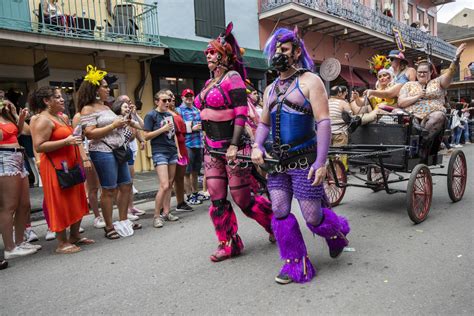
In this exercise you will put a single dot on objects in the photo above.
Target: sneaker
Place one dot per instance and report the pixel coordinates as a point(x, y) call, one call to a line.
point(184, 207)
point(134, 190)
point(132, 217)
point(169, 217)
point(458, 146)
point(467, 143)
point(283, 278)
point(50, 235)
point(81, 230)
point(27, 245)
point(18, 252)
point(136, 211)
point(30, 235)
point(201, 196)
point(3, 264)
point(157, 222)
point(99, 222)
point(193, 200)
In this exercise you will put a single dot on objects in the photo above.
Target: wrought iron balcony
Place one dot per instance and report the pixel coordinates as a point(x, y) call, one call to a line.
point(124, 21)
point(370, 19)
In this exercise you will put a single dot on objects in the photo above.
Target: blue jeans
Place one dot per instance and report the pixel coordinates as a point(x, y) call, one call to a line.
point(195, 160)
point(466, 133)
point(111, 173)
point(457, 135)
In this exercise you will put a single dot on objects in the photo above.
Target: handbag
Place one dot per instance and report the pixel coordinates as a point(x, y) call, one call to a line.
point(121, 154)
point(71, 176)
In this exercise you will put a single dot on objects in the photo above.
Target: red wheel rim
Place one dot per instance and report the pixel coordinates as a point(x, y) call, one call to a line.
point(333, 192)
point(421, 195)
point(459, 176)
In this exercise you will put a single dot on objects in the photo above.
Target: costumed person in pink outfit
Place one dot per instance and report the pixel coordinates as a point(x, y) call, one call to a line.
point(224, 110)
point(292, 104)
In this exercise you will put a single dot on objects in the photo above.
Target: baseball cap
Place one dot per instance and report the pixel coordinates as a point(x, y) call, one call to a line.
point(396, 54)
point(187, 91)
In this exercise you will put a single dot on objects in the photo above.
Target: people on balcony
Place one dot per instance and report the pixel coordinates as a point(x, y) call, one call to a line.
point(52, 14)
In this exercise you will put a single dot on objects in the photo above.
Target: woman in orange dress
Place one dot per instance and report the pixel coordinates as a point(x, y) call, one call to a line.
point(53, 138)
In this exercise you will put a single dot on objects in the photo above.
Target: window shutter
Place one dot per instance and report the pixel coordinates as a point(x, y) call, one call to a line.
point(209, 17)
point(217, 14)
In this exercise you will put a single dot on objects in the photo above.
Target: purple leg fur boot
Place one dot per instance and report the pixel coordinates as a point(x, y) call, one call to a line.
point(297, 266)
point(334, 229)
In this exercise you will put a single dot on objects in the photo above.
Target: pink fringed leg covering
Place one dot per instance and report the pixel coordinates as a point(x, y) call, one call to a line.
point(334, 229)
point(293, 250)
point(225, 224)
point(260, 209)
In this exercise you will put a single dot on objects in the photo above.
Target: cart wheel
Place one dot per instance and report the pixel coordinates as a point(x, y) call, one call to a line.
point(419, 193)
point(457, 175)
point(333, 192)
point(374, 175)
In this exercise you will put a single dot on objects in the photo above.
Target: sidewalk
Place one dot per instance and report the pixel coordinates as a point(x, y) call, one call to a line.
point(145, 182)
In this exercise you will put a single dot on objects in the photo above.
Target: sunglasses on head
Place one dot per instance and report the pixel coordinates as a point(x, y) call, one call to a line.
point(211, 51)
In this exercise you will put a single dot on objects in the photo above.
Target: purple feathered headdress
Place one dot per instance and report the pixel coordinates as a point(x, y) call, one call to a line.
point(284, 35)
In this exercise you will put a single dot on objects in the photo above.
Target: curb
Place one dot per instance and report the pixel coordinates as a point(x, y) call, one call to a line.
point(37, 213)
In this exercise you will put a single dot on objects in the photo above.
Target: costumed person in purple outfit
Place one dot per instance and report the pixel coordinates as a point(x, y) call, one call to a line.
point(292, 103)
point(224, 110)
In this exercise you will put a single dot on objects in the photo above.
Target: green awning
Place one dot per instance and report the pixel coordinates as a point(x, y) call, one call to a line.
point(192, 52)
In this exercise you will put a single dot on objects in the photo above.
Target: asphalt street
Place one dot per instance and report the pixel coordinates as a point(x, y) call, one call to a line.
point(397, 267)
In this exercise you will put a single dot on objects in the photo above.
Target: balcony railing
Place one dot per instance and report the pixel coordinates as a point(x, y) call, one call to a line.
point(372, 19)
point(125, 21)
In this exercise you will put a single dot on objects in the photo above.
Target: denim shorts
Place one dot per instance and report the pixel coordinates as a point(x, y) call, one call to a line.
point(111, 173)
point(133, 155)
point(164, 159)
point(12, 164)
point(195, 160)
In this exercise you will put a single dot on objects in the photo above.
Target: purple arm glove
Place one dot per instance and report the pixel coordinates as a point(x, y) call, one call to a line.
point(261, 135)
point(323, 142)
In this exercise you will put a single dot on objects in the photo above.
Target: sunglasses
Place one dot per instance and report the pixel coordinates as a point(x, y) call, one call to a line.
point(188, 96)
point(211, 51)
point(384, 75)
point(166, 100)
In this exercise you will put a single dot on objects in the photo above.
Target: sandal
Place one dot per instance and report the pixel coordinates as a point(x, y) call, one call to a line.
point(3, 264)
point(84, 241)
point(68, 250)
point(111, 234)
point(136, 226)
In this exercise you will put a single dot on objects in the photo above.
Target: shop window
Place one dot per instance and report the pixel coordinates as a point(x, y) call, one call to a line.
point(209, 17)
point(176, 85)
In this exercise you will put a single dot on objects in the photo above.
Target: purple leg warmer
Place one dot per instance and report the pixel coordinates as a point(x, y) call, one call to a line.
point(292, 249)
point(334, 229)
